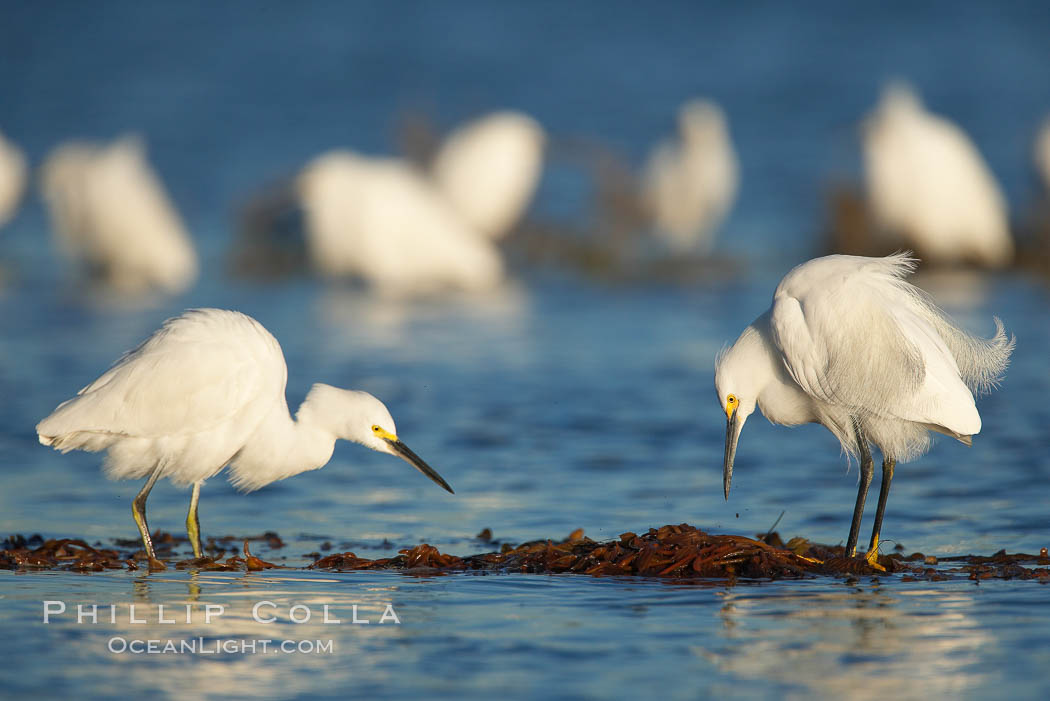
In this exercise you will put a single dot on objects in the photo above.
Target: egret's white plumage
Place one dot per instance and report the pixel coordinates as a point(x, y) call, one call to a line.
point(206, 390)
point(691, 183)
point(927, 183)
point(1042, 153)
point(489, 169)
point(12, 178)
point(379, 219)
point(109, 209)
point(849, 344)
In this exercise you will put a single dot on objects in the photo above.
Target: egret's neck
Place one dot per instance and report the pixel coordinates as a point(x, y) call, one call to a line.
point(282, 447)
point(757, 368)
point(752, 361)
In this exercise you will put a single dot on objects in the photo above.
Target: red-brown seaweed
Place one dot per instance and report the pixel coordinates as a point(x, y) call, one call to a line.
point(673, 551)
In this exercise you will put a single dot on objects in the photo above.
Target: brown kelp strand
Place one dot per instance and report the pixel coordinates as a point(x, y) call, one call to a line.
point(681, 552)
point(676, 551)
point(66, 553)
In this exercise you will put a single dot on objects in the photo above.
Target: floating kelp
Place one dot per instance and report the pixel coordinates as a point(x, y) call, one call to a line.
point(233, 564)
point(20, 553)
point(681, 552)
point(686, 552)
point(67, 553)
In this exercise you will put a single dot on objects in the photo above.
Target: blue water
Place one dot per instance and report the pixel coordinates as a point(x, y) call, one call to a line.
point(560, 403)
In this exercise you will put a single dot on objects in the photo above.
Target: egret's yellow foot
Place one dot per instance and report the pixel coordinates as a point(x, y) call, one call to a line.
point(872, 558)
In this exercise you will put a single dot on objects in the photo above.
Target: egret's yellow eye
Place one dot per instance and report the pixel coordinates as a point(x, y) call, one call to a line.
point(731, 405)
point(376, 429)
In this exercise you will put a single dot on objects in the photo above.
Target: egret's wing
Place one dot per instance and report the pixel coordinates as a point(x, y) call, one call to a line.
point(851, 334)
point(190, 376)
point(943, 401)
point(803, 349)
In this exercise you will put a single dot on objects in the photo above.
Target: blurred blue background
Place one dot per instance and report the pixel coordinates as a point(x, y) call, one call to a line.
point(232, 96)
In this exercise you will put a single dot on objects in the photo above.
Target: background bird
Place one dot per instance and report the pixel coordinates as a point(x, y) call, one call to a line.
point(928, 187)
point(382, 221)
point(689, 184)
point(110, 211)
point(488, 169)
point(850, 345)
point(206, 390)
point(1041, 154)
point(12, 178)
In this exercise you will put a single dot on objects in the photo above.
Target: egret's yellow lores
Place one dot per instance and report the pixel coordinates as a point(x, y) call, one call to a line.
point(206, 390)
point(850, 345)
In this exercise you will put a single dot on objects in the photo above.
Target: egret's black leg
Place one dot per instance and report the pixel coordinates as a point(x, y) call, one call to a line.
point(193, 523)
point(884, 493)
point(867, 469)
point(138, 510)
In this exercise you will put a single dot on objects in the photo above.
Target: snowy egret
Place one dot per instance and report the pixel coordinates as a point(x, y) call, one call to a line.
point(690, 185)
point(12, 178)
point(1042, 154)
point(927, 183)
point(381, 220)
point(489, 169)
point(206, 390)
point(109, 209)
point(848, 344)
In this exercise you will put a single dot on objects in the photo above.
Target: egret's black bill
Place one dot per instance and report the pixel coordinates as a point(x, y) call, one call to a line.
point(403, 451)
point(727, 465)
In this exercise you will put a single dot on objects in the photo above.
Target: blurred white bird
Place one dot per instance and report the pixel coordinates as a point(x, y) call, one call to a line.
point(489, 169)
point(1042, 153)
point(380, 219)
point(850, 345)
point(690, 184)
point(206, 390)
point(927, 184)
point(12, 178)
point(110, 211)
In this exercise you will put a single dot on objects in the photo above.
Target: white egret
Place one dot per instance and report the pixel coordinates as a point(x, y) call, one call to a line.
point(690, 184)
point(12, 178)
point(206, 390)
point(927, 184)
point(1042, 153)
point(848, 344)
point(379, 219)
point(489, 169)
point(109, 210)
